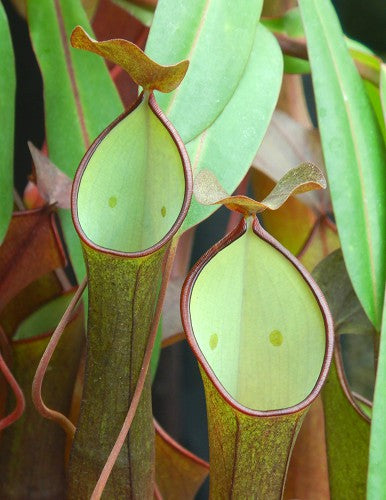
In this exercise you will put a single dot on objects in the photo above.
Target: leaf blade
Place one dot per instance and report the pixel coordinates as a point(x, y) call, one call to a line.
point(354, 153)
point(241, 126)
point(213, 74)
point(84, 81)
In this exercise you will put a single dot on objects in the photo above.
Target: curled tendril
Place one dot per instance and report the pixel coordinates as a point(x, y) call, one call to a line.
point(37, 383)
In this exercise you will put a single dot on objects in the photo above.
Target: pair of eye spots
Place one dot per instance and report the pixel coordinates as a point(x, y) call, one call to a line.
point(275, 338)
point(113, 203)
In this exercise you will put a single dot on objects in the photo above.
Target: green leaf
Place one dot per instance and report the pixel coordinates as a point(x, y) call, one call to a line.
point(376, 482)
point(303, 178)
point(80, 98)
point(126, 223)
point(229, 145)
point(354, 154)
point(7, 120)
point(217, 38)
point(263, 339)
point(374, 96)
point(143, 70)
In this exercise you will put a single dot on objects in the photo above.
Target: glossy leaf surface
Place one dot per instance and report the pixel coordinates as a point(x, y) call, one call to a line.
point(148, 182)
point(85, 102)
point(376, 483)
point(374, 94)
point(354, 153)
point(145, 72)
point(229, 145)
point(7, 120)
point(179, 33)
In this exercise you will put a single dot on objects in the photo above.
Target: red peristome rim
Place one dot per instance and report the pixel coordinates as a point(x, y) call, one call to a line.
point(187, 173)
point(187, 324)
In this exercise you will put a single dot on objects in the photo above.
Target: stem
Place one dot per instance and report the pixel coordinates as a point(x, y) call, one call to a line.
point(103, 478)
point(123, 315)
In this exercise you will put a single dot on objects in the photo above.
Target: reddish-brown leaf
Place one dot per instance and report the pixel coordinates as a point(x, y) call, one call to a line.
point(31, 248)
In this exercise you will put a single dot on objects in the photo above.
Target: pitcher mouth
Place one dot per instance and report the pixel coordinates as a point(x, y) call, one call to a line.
point(186, 294)
point(185, 163)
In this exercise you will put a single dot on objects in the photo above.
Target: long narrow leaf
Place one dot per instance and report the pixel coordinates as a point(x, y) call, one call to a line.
point(80, 98)
point(354, 153)
point(7, 117)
